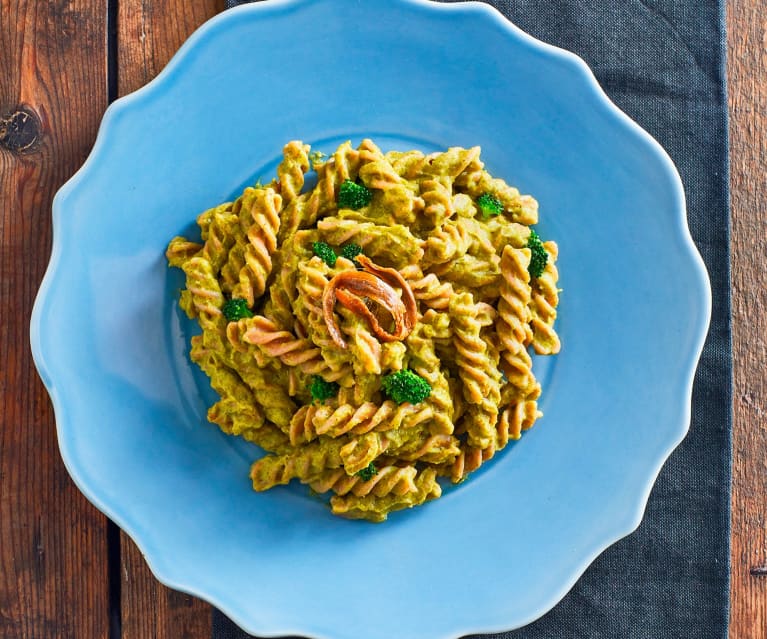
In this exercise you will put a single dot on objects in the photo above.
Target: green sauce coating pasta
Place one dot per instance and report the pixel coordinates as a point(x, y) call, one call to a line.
point(373, 380)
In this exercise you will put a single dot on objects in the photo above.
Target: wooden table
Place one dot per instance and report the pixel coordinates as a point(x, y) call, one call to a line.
point(61, 64)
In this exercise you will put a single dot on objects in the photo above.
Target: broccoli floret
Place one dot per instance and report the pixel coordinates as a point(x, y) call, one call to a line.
point(538, 255)
point(489, 205)
point(236, 309)
point(350, 251)
point(323, 250)
point(406, 386)
point(368, 472)
point(353, 196)
point(322, 390)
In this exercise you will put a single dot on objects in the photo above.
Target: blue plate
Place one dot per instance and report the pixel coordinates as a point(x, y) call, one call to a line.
point(112, 348)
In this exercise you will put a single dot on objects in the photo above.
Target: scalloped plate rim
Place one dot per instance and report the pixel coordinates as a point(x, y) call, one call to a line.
point(174, 578)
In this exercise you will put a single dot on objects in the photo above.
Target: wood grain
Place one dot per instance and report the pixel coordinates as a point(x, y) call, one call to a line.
point(747, 48)
point(148, 34)
point(53, 551)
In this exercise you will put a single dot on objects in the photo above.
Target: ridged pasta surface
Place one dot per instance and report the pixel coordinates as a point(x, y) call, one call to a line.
point(312, 300)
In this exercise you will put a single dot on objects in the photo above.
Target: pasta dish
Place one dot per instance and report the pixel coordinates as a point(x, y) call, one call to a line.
point(372, 333)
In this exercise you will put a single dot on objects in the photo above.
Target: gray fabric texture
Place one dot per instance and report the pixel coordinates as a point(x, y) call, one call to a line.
point(662, 62)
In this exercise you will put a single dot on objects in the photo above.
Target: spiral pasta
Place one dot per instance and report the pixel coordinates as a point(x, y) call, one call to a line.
point(372, 333)
point(513, 326)
point(260, 224)
point(543, 306)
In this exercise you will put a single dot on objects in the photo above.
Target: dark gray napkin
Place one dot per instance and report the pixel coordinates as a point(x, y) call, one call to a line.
point(662, 62)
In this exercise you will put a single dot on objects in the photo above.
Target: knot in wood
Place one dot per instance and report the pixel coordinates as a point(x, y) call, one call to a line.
point(20, 130)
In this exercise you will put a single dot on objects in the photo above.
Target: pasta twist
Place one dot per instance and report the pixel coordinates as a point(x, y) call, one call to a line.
point(268, 390)
point(369, 151)
point(398, 204)
point(235, 333)
point(377, 173)
point(223, 380)
point(262, 242)
point(543, 306)
point(279, 307)
point(514, 317)
point(312, 279)
point(512, 421)
point(290, 350)
point(206, 297)
point(446, 243)
point(478, 370)
point(517, 418)
point(301, 428)
point(343, 165)
point(479, 420)
point(468, 460)
point(481, 274)
point(301, 463)
point(503, 232)
point(408, 164)
point(220, 236)
point(476, 181)
point(294, 250)
point(437, 194)
point(471, 349)
point(347, 418)
point(240, 424)
point(362, 451)
point(434, 449)
point(180, 250)
point(513, 310)
point(518, 369)
point(364, 347)
point(397, 480)
point(428, 289)
point(486, 314)
point(237, 412)
point(395, 243)
point(344, 418)
point(235, 262)
point(437, 326)
point(393, 356)
point(290, 172)
point(452, 162)
point(424, 362)
point(376, 508)
point(481, 244)
point(203, 221)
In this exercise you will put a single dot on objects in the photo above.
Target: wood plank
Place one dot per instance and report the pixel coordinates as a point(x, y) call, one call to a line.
point(747, 44)
point(149, 609)
point(53, 550)
point(149, 32)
